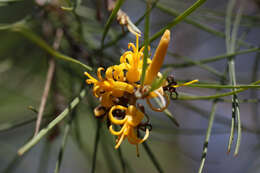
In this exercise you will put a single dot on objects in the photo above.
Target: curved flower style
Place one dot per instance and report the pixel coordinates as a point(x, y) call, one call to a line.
point(108, 88)
point(129, 123)
point(119, 91)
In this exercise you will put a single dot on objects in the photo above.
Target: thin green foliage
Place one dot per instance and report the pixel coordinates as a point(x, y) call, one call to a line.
point(110, 20)
point(13, 125)
point(62, 149)
point(146, 41)
point(152, 157)
point(119, 37)
point(53, 123)
point(231, 46)
point(95, 151)
point(189, 97)
point(201, 26)
point(218, 117)
point(253, 93)
point(207, 138)
point(70, 6)
point(107, 150)
point(242, 100)
point(44, 157)
point(65, 139)
point(210, 59)
point(178, 19)
point(168, 113)
point(122, 161)
point(8, 2)
point(26, 32)
point(216, 86)
point(34, 38)
point(203, 66)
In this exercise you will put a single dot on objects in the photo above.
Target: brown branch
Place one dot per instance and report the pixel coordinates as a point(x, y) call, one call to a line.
point(49, 78)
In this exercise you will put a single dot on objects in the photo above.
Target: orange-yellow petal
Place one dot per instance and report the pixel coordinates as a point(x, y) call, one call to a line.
point(135, 116)
point(91, 79)
point(158, 58)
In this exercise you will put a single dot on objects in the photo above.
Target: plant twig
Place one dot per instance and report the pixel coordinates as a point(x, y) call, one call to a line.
point(49, 78)
point(52, 124)
point(207, 138)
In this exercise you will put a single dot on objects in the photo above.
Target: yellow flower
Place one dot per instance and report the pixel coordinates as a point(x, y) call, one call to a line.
point(119, 91)
point(108, 88)
point(132, 61)
point(129, 123)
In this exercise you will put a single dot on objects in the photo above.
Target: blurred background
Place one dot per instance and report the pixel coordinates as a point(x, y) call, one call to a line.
point(24, 66)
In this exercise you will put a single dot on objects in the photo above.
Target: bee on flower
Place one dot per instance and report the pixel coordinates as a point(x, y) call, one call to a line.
point(120, 89)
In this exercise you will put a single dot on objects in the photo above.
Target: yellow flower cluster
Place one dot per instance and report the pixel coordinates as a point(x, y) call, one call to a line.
point(117, 91)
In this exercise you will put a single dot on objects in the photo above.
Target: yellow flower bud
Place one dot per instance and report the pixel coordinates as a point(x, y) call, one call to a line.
point(158, 58)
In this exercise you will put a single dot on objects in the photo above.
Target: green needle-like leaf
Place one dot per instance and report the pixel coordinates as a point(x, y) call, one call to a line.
point(110, 19)
point(231, 36)
point(177, 19)
point(58, 119)
point(26, 32)
point(207, 138)
point(188, 97)
point(8, 2)
point(197, 24)
point(152, 157)
point(146, 42)
point(97, 140)
point(211, 59)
